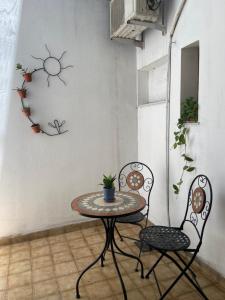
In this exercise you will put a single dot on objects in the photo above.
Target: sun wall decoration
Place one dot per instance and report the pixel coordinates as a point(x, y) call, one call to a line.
point(53, 67)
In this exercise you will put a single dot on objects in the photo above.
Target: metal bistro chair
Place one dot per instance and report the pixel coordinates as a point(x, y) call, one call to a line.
point(173, 239)
point(135, 177)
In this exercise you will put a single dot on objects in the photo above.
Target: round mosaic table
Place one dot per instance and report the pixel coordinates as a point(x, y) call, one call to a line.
point(92, 205)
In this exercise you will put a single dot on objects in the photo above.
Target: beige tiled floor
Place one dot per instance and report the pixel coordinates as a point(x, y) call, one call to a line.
point(47, 268)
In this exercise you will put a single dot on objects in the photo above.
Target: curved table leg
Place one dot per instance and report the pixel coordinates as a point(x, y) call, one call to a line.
point(129, 255)
point(114, 259)
point(109, 225)
point(107, 241)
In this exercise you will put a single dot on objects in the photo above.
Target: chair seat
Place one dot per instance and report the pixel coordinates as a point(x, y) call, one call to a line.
point(135, 218)
point(164, 238)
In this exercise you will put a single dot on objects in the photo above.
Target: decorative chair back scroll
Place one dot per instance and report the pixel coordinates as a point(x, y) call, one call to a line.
point(136, 177)
point(199, 204)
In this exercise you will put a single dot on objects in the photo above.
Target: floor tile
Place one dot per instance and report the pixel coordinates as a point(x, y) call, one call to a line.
point(99, 290)
point(4, 250)
point(20, 279)
point(39, 243)
point(40, 251)
point(43, 274)
point(21, 293)
point(65, 268)
point(3, 283)
point(45, 288)
point(59, 247)
point(57, 239)
point(81, 252)
point(62, 257)
point(42, 261)
point(67, 282)
point(77, 243)
point(74, 235)
point(19, 256)
point(84, 262)
point(20, 266)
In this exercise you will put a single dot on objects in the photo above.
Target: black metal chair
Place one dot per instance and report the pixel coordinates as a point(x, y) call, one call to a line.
point(173, 239)
point(135, 177)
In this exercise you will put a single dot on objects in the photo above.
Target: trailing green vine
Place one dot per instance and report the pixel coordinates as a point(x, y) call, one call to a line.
point(189, 113)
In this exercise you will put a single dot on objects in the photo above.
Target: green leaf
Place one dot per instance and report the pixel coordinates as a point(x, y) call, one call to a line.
point(175, 146)
point(18, 66)
point(175, 187)
point(185, 167)
point(188, 158)
point(190, 169)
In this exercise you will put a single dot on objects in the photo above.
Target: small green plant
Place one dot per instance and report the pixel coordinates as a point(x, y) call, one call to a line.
point(108, 181)
point(189, 110)
point(20, 67)
point(181, 140)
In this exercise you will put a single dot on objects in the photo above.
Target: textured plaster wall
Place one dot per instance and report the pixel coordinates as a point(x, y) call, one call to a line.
point(40, 175)
point(201, 21)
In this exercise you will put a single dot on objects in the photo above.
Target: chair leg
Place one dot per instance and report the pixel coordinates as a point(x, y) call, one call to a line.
point(157, 283)
point(153, 267)
point(139, 256)
point(191, 271)
point(183, 273)
point(120, 236)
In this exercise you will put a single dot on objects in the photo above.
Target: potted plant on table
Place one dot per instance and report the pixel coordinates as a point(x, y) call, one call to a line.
point(109, 188)
point(26, 75)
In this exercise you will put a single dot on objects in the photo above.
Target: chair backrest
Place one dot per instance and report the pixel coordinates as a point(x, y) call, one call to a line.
point(138, 178)
point(199, 204)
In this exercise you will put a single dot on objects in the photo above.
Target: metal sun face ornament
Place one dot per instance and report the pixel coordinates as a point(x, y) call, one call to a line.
point(52, 65)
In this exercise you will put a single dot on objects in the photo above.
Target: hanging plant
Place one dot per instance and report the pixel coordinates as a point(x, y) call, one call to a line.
point(27, 78)
point(26, 75)
point(189, 113)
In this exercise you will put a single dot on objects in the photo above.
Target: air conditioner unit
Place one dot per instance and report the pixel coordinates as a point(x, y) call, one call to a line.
point(124, 12)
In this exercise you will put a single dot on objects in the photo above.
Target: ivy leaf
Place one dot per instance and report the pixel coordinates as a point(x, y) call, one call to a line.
point(180, 182)
point(185, 167)
point(188, 158)
point(175, 146)
point(190, 169)
point(175, 187)
point(182, 139)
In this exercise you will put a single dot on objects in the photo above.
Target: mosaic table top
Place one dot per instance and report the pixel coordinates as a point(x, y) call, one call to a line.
point(93, 205)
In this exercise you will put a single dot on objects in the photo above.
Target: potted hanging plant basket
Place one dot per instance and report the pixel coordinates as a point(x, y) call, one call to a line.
point(108, 188)
point(26, 75)
point(22, 92)
point(36, 128)
point(26, 111)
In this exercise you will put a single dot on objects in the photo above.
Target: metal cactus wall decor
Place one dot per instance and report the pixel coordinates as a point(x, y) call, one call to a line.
point(27, 78)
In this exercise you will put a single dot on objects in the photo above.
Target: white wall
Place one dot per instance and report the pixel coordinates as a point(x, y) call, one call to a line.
point(201, 20)
point(40, 175)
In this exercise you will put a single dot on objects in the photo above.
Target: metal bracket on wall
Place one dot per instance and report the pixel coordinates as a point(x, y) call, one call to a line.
point(137, 43)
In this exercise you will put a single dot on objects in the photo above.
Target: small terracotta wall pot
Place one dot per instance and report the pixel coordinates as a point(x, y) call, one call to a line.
point(27, 77)
point(22, 93)
point(26, 111)
point(36, 128)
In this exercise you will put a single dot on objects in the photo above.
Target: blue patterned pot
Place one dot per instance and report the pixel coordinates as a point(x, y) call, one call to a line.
point(109, 194)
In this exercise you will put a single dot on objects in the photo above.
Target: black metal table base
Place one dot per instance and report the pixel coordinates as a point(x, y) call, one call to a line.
point(110, 243)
